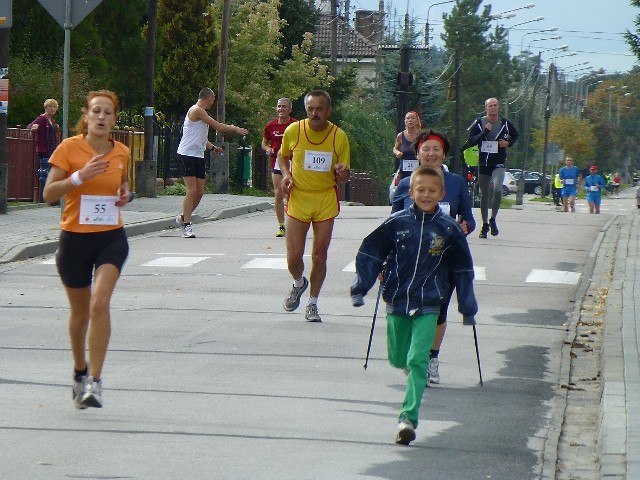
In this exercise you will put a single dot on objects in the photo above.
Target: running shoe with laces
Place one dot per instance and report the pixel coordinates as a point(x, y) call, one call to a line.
point(78, 391)
point(494, 227)
point(292, 301)
point(433, 375)
point(484, 230)
point(406, 431)
point(187, 231)
point(93, 394)
point(312, 315)
point(281, 232)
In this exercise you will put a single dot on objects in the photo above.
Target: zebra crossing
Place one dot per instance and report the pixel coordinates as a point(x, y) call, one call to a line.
point(261, 261)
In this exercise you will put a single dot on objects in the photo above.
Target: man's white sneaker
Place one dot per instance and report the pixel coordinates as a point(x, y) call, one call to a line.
point(93, 394)
point(78, 391)
point(187, 231)
point(312, 315)
point(433, 374)
point(406, 432)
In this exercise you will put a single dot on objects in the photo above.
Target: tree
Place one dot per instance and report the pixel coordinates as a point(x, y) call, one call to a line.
point(576, 136)
point(188, 50)
point(633, 39)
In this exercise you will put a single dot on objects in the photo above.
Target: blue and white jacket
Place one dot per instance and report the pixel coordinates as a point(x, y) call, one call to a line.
point(478, 133)
point(420, 252)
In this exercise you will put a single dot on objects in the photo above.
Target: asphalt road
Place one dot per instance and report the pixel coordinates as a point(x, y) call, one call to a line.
point(207, 376)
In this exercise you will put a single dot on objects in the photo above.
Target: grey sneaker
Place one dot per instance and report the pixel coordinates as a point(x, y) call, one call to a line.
point(312, 314)
point(187, 231)
point(78, 391)
point(406, 432)
point(180, 221)
point(292, 301)
point(93, 394)
point(433, 376)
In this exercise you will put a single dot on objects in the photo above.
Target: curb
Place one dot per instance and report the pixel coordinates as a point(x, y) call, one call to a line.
point(26, 251)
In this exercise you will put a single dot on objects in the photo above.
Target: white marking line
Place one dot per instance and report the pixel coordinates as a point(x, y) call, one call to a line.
point(479, 273)
point(200, 254)
point(49, 261)
point(178, 262)
point(350, 267)
point(553, 276)
point(274, 263)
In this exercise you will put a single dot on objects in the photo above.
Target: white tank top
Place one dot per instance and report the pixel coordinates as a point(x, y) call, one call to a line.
point(194, 137)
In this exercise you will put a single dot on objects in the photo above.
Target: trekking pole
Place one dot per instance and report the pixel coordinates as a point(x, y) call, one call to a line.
point(373, 324)
point(475, 339)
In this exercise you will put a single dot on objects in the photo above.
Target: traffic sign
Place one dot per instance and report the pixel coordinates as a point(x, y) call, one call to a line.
point(79, 10)
point(5, 14)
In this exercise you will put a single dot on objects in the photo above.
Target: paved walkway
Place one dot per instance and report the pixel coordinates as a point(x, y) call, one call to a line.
point(29, 232)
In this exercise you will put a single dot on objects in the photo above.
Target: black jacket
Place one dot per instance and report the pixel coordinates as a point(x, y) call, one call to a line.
point(477, 134)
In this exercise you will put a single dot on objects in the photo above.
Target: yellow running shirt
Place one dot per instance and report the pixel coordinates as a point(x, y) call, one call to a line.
point(314, 154)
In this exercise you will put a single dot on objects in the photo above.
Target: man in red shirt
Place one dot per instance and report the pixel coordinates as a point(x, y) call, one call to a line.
point(271, 141)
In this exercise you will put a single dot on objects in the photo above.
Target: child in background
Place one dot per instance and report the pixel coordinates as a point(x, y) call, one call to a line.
point(416, 247)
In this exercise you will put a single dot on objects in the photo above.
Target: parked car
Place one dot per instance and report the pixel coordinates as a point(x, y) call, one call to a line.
point(509, 185)
point(533, 182)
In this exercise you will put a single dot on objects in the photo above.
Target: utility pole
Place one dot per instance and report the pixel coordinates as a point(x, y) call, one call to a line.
point(146, 171)
point(333, 41)
point(222, 73)
point(4, 170)
point(457, 116)
point(547, 117)
point(404, 79)
point(345, 33)
point(527, 132)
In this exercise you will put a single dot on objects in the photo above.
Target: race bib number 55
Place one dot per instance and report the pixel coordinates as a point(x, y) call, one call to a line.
point(99, 210)
point(317, 161)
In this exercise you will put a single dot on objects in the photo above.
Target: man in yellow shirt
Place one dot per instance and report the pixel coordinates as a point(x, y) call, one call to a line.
point(313, 158)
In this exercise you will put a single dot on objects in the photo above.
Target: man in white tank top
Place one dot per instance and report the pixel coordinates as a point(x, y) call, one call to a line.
point(194, 141)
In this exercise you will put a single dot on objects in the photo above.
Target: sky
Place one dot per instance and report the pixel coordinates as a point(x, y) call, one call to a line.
point(591, 28)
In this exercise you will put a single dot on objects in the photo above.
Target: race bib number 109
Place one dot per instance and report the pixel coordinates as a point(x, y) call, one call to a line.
point(317, 161)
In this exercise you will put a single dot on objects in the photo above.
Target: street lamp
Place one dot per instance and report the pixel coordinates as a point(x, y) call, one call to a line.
point(611, 90)
point(426, 27)
point(618, 113)
point(552, 29)
point(537, 19)
point(557, 37)
point(502, 14)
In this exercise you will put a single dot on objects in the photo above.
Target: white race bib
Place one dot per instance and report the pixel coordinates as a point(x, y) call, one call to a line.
point(445, 207)
point(568, 181)
point(594, 188)
point(489, 146)
point(99, 210)
point(317, 161)
point(409, 165)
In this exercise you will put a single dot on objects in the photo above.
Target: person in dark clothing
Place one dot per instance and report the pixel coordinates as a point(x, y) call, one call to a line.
point(493, 134)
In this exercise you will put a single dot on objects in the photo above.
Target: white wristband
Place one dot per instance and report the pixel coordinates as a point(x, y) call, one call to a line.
point(75, 178)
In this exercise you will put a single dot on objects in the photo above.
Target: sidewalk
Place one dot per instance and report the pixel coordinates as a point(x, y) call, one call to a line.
point(30, 232)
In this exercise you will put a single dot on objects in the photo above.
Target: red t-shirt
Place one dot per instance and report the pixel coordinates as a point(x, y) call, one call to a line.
point(273, 136)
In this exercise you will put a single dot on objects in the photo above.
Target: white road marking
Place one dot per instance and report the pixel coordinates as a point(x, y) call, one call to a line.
point(178, 262)
point(479, 273)
point(199, 254)
point(351, 267)
point(275, 263)
point(553, 276)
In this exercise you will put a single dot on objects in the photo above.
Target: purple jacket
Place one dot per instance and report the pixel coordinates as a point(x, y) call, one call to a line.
point(42, 134)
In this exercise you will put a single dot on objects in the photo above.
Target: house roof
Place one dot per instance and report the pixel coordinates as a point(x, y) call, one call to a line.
point(358, 45)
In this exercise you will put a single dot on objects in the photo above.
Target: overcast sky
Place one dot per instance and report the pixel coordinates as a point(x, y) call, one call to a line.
point(591, 28)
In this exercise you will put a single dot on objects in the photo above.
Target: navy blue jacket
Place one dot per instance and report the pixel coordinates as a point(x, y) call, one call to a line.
point(455, 194)
point(417, 250)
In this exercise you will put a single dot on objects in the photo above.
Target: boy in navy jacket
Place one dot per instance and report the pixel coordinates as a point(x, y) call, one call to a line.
point(416, 248)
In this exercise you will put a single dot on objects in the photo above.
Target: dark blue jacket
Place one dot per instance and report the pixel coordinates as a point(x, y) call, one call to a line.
point(477, 134)
point(417, 251)
point(455, 194)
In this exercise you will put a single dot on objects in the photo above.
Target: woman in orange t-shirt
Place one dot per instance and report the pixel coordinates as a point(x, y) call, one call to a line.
point(90, 172)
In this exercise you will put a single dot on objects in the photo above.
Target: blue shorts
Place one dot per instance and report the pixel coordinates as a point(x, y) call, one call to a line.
point(569, 191)
point(594, 197)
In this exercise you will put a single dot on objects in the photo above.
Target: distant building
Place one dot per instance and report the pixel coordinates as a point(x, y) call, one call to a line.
point(355, 46)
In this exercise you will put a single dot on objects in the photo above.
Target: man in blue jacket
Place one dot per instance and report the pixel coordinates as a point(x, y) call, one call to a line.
point(418, 248)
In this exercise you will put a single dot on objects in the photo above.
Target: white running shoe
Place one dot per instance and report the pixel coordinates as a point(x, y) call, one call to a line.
point(433, 374)
point(406, 432)
point(187, 231)
point(93, 394)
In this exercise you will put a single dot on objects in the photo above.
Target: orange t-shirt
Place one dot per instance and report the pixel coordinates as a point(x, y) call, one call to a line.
point(73, 154)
